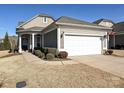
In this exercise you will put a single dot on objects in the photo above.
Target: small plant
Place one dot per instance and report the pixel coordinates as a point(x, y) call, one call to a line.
point(49, 56)
point(45, 51)
point(54, 51)
point(10, 51)
point(63, 54)
point(108, 52)
point(39, 54)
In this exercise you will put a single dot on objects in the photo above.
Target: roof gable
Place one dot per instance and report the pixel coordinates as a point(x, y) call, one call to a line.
point(103, 20)
point(40, 15)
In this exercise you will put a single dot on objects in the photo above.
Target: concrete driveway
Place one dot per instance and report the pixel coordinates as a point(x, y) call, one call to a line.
point(111, 64)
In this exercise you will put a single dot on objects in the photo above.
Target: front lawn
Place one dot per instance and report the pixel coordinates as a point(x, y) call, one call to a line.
point(39, 74)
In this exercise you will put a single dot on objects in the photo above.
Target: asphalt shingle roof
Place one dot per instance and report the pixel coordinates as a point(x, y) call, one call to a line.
point(104, 20)
point(119, 27)
point(65, 19)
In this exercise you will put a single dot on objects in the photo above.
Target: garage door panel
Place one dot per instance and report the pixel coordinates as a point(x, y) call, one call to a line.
point(82, 45)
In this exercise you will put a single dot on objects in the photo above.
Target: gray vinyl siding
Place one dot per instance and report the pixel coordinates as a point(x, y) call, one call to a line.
point(111, 41)
point(50, 39)
point(119, 39)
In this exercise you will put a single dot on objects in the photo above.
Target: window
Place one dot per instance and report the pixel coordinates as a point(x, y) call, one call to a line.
point(38, 41)
point(44, 20)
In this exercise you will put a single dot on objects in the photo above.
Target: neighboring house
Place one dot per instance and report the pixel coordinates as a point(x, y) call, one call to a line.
point(104, 22)
point(75, 36)
point(119, 37)
point(108, 23)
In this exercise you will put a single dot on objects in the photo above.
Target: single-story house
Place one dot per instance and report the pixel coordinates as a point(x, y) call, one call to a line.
point(75, 36)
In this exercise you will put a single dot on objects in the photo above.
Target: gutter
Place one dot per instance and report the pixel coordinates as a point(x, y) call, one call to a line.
point(68, 24)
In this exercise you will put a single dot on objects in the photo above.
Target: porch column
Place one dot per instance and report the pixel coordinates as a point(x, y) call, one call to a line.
point(20, 44)
point(107, 41)
point(42, 40)
point(32, 42)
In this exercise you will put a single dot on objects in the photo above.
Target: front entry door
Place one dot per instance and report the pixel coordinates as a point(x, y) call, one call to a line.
point(25, 44)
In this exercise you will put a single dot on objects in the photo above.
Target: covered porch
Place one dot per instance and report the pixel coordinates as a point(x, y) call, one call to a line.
point(30, 41)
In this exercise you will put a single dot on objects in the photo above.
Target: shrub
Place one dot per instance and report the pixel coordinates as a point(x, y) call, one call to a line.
point(54, 51)
point(45, 51)
point(10, 51)
point(119, 46)
point(50, 56)
point(108, 52)
point(16, 50)
point(30, 50)
point(39, 54)
point(63, 54)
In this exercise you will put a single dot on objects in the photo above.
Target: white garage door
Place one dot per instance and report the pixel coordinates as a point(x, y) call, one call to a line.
point(82, 45)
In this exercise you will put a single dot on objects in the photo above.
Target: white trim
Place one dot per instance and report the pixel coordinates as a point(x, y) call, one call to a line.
point(28, 33)
point(69, 24)
point(28, 21)
point(106, 41)
point(45, 32)
point(20, 44)
point(82, 34)
point(44, 20)
point(32, 42)
point(58, 38)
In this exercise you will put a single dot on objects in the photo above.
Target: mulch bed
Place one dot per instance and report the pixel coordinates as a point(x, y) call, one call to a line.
point(59, 59)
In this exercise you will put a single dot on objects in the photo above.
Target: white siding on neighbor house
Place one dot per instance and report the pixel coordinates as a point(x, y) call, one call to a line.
point(107, 24)
point(38, 22)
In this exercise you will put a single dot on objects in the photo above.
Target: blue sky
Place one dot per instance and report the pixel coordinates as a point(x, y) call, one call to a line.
point(11, 14)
